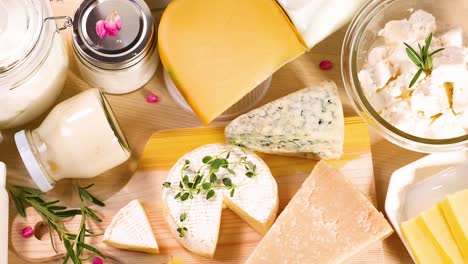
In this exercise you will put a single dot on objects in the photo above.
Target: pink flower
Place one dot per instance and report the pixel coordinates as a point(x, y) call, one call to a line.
point(109, 27)
point(113, 25)
point(326, 65)
point(152, 98)
point(27, 232)
point(98, 260)
point(101, 29)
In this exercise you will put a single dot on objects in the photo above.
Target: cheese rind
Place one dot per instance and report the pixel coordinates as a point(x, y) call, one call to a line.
point(130, 229)
point(255, 200)
point(327, 221)
point(217, 51)
point(456, 212)
point(307, 123)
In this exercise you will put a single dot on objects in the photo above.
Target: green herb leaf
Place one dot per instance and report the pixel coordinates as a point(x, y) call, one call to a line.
point(68, 213)
point(183, 217)
point(232, 192)
point(18, 204)
point(185, 180)
point(231, 171)
point(206, 186)
point(210, 194)
point(206, 159)
point(415, 78)
point(92, 249)
point(249, 174)
point(177, 195)
point(187, 162)
point(227, 182)
point(197, 180)
point(167, 184)
point(185, 196)
point(86, 195)
point(213, 178)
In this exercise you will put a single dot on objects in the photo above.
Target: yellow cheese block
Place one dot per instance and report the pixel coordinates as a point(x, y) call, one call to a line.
point(217, 51)
point(434, 226)
point(422, 246)
point(455, 208)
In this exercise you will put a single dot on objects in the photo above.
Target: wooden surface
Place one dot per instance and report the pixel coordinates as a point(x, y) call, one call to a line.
point(149, 118)
point(237, 239)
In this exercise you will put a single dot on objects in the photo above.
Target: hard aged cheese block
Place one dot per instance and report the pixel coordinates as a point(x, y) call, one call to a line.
point(255, 200)
point(456, 212)
point(217, 51)
point(327, 221)
point(130, 229)
point(429, 238)
point(306, 123)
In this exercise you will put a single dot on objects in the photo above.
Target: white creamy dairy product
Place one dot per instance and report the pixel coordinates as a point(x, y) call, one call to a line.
point(31, 77)
point(255, 199)
point(436, 106)
point(80, 138)
point(3, 216)
point(316, 20)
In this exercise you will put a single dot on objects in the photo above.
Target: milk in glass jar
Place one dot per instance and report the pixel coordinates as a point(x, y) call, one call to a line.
point(33, 60)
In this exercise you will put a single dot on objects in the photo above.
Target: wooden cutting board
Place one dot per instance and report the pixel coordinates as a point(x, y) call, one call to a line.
point(236, 239)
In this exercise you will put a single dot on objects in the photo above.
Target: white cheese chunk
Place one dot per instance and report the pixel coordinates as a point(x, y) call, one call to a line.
point(452, 38)
point(450, 66)
point(460, 97)
point(430, 99)
point(307, 123)
point(130, 229)
point(419, 26)
point(400, 115)
point(255, 199)
point(446, 126)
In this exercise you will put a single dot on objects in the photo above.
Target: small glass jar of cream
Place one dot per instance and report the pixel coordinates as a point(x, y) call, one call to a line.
point(80, 138)
point(114, 42)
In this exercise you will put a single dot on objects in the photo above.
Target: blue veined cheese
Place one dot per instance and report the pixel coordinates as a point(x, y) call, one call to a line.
point(308, 123)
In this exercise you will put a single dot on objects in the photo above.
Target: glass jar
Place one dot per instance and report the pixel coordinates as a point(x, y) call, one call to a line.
point(362, 36)
point(124, 61)
point(33, 61)
point(80, 138)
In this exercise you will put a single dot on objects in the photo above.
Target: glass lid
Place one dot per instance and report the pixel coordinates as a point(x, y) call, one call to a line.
point(112, 33)
point(20, 28)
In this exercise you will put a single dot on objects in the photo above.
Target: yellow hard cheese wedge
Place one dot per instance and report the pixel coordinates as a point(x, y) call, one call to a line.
point(430, 239)
point(455, 208)
point(130, 229)
point(217, 51)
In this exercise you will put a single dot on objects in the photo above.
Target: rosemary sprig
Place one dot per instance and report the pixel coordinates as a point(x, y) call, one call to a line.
point(206, 182)
point(422, 59)
point(53, 216)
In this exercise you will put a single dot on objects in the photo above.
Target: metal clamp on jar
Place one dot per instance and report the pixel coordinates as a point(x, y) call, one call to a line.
point(33, 60)
point(118, 60)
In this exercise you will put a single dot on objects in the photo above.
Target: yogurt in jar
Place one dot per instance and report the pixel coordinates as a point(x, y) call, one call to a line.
point(436, 107)
point(80, 138)
point(33, 61)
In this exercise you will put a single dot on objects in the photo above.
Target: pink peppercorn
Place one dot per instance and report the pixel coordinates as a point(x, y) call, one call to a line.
point(152, 98)
point(326, 65)
point(98, 260)
point(27, 232)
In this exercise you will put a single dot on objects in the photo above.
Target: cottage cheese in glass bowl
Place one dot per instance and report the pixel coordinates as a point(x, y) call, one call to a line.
point(432, 114)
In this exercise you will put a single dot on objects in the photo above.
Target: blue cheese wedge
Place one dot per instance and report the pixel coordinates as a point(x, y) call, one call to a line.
point(308, 123)
point(255, 199)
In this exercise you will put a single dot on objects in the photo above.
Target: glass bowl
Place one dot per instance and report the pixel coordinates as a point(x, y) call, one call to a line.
point(359, 40)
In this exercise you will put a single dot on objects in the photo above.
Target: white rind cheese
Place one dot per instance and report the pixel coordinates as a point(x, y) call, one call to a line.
point(307, 123)
point(256, 201)
point(130, 229)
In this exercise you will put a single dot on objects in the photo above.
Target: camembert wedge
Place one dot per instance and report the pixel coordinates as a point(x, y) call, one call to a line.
point(193, 212)
point(217, 51)
point(327, 221)
point(130, 229)
point(307, 123)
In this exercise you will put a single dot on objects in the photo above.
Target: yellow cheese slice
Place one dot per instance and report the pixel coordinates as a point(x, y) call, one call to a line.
point(327, 221)
point(423, 248)
point(217, 51)
point(455, 208)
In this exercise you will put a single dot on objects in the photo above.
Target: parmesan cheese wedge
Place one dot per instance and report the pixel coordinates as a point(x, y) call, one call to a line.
point(130, 229)
point(255, 199)
point(327, 221)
